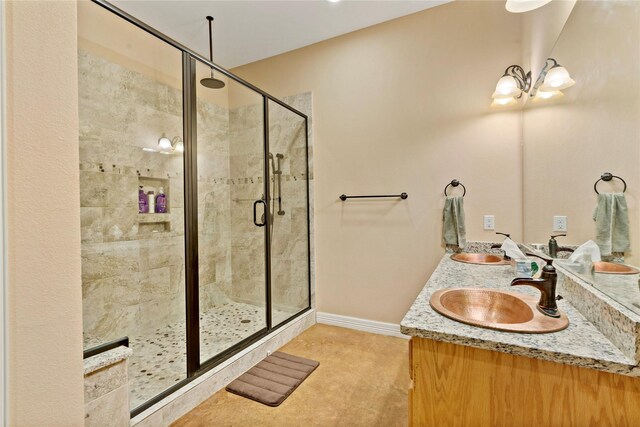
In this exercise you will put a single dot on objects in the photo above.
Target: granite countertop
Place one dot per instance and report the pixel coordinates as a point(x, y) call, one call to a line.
point(102, 360)
point(622, 288)
point(581, 344)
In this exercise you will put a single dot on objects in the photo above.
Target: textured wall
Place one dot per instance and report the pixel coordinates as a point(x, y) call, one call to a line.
point(44, 352)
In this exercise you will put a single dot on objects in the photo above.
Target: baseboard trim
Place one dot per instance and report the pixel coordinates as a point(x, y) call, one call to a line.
point(382, 328)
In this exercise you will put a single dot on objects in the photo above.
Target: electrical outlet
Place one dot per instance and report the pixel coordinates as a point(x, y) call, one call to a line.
point(489, 222)
point(559, 223)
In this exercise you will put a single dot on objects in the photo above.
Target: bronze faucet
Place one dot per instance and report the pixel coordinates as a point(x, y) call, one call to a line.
point(553, 246)
point(498, 245)
point(546, 285)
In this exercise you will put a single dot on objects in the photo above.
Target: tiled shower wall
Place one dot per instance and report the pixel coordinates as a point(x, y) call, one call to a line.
point(214, 213)
point(133, 277)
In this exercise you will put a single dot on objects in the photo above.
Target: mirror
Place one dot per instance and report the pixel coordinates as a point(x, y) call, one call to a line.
point(570, 141)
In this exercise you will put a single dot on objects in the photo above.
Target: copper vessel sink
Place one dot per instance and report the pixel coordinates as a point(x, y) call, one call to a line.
point(495, 309)
point(485, 259)
point(613, 268)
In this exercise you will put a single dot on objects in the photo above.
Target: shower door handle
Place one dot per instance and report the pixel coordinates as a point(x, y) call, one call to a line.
point(255, 220)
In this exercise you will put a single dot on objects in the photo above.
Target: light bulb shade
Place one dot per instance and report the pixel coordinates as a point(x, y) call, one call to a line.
point(164, 143)
point(520, 6)
point(507, 87)
point(557, 78)
point(179, 147)
point(543, 96)
point(503, 102)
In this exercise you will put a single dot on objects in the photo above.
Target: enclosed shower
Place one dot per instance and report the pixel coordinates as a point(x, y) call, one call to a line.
point(194, 204)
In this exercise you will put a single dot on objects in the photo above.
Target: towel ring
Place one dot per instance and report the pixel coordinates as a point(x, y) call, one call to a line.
point(455, 183)
point(607, 176)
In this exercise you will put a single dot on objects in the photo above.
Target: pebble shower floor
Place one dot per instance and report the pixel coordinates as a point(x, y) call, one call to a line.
point(159, 359)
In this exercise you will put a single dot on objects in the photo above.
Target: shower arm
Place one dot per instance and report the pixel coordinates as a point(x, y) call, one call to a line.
point(210, 19)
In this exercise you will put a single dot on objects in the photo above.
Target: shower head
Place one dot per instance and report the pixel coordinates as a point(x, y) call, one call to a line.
point(211, 82)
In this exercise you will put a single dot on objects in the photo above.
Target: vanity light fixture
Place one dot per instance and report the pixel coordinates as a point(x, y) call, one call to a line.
point(513, 83)
point(167, 145)
point(164, 143)
point(557, 78)
point(520, 6)
point(552, 79)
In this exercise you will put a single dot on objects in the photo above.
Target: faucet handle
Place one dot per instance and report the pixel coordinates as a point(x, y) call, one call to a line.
point(558, 235)
point(504, 234)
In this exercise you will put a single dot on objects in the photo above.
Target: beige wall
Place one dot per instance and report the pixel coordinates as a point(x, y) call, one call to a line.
point(44, 294)
point(403, 106)
point(594, 128)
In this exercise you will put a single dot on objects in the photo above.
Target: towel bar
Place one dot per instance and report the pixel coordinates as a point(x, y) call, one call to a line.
point(607, 176)
point(455, 183)
point(344, 197)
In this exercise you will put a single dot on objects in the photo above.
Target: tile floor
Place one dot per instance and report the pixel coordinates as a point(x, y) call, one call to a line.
point(362, 380)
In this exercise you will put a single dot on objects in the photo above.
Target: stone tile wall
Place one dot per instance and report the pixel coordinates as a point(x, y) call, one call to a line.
point(133, 280)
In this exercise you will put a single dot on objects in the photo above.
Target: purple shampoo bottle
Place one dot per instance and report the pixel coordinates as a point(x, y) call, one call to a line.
point(143, 201)
point(161, 201)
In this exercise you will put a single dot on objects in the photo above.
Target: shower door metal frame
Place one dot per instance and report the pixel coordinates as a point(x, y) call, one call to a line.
point(194, 367)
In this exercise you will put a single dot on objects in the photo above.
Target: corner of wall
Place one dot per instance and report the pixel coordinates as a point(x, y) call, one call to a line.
point(3, 252)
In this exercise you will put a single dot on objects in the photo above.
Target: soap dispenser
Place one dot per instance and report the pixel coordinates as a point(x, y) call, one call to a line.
point(553, 245)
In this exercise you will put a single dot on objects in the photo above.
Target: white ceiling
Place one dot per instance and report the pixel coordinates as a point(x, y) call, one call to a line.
point(247, 31)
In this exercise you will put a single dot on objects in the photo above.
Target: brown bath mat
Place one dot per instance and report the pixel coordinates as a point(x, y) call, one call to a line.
point(274, 379)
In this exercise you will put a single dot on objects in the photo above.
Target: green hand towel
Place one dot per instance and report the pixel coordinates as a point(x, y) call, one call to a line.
point(453, 230)
point(612, 223)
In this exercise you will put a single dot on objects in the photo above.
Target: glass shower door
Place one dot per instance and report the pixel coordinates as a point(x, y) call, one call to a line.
point(231, 214)
point(289, 227)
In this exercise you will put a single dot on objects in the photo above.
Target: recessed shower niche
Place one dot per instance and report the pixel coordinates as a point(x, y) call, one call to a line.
point(229, 260)
point(160, 220)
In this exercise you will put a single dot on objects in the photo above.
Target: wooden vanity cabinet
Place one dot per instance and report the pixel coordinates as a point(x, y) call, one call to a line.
point(455, 385)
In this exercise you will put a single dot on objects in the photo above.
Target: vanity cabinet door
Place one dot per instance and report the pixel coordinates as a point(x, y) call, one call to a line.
point(455, 385)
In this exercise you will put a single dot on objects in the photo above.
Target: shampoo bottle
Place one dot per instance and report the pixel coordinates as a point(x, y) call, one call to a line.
point(161, 201)
point(143, 204)
point(152, 201)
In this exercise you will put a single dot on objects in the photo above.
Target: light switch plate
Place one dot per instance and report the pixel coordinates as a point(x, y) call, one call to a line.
point(489, 222)
point(559, 223)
